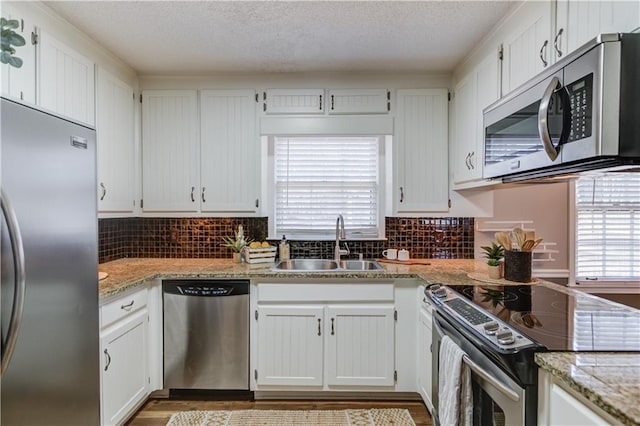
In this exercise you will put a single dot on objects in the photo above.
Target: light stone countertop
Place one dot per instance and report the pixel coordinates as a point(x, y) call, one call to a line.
point(611, 381)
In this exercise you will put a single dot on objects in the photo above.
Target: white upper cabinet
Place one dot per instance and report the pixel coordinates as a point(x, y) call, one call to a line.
point(116, 144)
point(528, 45)
point(420, 152)
point(474, 92)
point(294, 101)
point(20, 83)
point(359, 101)
point(229, 152)
point(580, 21)
point(65, 80)
point(170, 151)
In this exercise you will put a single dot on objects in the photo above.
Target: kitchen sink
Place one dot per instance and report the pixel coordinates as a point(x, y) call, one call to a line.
point(322, 265)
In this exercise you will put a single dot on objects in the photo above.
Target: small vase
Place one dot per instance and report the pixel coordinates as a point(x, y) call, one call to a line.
point(517, 266)
point(495, 272)
point(237, 257)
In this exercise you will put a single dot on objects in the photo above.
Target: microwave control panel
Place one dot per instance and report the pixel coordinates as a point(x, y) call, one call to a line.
point(581, 102)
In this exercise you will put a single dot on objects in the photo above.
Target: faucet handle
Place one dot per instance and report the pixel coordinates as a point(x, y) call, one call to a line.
point(346, 247)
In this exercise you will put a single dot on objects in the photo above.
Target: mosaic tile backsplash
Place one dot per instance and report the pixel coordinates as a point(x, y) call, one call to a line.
point(446, 238)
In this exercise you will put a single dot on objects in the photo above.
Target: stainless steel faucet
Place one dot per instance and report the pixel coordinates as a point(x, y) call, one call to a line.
point(340, 234)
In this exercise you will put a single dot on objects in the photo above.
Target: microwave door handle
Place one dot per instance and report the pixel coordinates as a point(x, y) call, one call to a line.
point(543, 125)
point(17, 249)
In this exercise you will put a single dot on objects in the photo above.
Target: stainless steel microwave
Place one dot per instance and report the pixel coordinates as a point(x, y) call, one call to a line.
point(580, 114)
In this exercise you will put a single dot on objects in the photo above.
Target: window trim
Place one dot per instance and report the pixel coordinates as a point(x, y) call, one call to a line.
point(268, 188)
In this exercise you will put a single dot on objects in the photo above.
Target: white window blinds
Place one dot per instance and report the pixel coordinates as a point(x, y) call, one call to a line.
point(608, 227)
point(319, 178)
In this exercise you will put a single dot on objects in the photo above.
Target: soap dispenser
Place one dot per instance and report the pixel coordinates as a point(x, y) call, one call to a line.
point(284, 251)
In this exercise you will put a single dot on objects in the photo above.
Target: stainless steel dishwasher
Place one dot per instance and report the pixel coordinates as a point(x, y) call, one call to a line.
point(206, 335)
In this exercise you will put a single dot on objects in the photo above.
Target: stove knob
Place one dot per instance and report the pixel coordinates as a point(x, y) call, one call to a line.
point(434, 287)
point(491, 328)
point(506, 338)
point(441, 292)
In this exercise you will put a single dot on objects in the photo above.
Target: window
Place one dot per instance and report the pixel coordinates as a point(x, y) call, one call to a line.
point(608, 227)
point(318, 178)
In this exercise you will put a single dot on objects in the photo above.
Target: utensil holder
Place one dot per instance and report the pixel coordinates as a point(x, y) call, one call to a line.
point(517, 266)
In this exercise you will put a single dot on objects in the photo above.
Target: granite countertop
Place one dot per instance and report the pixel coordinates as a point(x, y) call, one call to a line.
point(125, 274)
point(609, 380)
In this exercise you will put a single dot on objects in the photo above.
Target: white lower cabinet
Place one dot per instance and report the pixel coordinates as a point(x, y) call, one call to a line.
point(355, 344)
point(425, 356)
point(290, 344)
point(124, 357)
point(324, 336)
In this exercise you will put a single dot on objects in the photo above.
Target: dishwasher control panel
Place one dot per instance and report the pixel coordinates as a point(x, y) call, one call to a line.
point(204, 291)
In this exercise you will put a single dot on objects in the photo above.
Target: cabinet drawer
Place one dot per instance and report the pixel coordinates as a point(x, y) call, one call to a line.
point(361, 292)
point(122, 307)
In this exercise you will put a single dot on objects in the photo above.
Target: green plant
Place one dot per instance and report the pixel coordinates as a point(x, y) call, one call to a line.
point(9, 39)
point(493, 253)
point(238, 242)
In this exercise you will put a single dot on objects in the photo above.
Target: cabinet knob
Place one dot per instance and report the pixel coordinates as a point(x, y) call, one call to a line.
point(543, 53)
point(555, 43)
point(104, 191)
point(108, 362)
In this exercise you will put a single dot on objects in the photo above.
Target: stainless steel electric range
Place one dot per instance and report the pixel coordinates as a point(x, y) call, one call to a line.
point(500, 328)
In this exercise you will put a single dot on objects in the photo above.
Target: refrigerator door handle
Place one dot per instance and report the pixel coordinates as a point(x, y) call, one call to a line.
point(20, 282)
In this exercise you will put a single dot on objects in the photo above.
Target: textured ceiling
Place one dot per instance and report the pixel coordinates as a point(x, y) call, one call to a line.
point(200, 37)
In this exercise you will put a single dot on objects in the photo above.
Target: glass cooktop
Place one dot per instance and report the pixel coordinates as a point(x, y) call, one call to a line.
point(557, 320)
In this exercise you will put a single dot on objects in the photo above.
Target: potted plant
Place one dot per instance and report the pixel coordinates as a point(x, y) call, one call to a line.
point(494, 254)
point(237, 243)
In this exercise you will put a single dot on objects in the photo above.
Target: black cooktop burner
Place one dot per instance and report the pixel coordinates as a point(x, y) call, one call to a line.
point(557, 320)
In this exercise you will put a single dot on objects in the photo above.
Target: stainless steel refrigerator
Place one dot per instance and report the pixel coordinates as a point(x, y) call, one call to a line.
point(49, 264)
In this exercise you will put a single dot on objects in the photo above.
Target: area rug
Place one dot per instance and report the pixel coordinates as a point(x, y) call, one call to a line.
point(373, 417)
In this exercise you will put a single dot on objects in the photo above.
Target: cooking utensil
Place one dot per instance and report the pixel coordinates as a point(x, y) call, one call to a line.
point(503, 239)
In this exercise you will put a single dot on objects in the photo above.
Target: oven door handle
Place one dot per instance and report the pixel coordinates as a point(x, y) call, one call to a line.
point(502, 388)
point(498, 385)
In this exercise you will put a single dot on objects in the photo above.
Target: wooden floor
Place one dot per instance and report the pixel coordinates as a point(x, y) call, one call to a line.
point(157, 412)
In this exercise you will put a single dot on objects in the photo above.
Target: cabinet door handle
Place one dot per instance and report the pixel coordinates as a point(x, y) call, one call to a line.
point(332, 108)
point(319, 322)
point(320, 103)
point(204, 200)
point(543, 53)
point(108, 363)
point(128, 306)
point(104, 191)
point(257, 203)
point(333, 332)
point(401, 194)
point(473, 154)
point(193, 199)
point(555, 42)
point(466, 161)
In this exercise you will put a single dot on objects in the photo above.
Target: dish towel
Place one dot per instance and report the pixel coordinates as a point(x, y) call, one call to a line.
point(455, 398)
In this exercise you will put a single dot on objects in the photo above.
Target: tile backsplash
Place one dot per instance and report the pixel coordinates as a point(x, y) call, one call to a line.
point(447, 238)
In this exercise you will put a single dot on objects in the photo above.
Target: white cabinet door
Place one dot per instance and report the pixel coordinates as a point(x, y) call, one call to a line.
point(294, 101)
point(20, 83)
point(290, 345)
point(425, 357)
point(360, 345)
point(65, 80)
point(359, 101)
point(116, 144)
point(580, 21)
point(125, 376)
point(420, 152)
point(170, 151)
point(566, 410)
point(229, 152)
point(527, 48)
point(465, 107)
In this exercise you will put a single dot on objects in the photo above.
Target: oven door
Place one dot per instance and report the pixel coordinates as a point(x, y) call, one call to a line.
point(525, 130)
point(497, 399)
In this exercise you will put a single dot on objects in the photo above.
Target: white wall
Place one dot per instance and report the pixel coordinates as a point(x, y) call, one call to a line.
point(547, 205)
